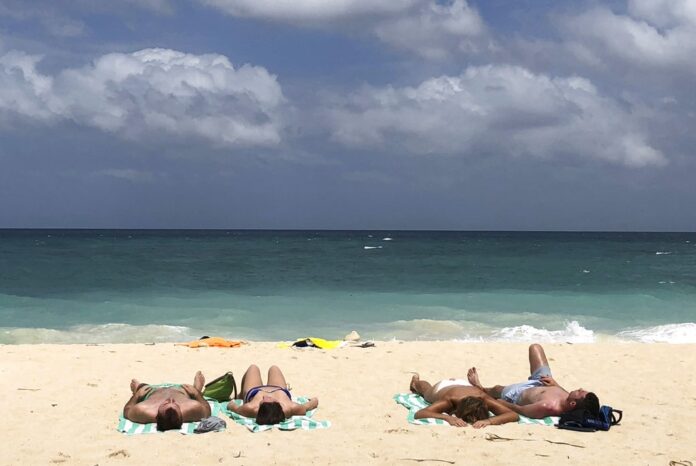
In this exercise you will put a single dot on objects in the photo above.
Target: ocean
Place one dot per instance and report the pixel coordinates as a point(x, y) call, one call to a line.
point(98, 286)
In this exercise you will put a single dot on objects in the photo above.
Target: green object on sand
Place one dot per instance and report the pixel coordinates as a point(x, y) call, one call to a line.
point(221, 389)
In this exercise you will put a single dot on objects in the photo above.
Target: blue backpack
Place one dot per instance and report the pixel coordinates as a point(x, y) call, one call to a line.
point(586, 421)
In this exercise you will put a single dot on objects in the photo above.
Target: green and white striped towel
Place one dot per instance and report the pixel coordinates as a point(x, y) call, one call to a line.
point(134, 428)
point(296, 422)
point(414, 403)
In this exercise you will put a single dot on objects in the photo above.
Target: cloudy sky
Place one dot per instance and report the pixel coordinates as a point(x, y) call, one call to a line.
point(348, 114)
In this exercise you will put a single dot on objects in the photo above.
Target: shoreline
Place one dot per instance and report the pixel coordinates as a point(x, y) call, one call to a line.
point(68, 397)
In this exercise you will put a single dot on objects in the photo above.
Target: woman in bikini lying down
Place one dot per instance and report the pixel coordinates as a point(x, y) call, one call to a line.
point(458, 403)
point(270, 403)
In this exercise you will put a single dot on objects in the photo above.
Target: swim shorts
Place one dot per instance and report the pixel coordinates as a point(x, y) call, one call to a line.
point(512, 393)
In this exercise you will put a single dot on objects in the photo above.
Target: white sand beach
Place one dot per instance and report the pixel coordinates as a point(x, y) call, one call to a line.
point(61, 404)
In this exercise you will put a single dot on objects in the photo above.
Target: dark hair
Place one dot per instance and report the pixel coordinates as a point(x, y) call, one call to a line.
point(270, 412)
point(169, 419)
point(471, 409)
point(589, 403)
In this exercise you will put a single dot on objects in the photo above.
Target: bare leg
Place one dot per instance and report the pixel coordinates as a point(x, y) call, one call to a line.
point(199, 381)
point(472, 376)
point(275, 377)
point(537, 357)
point(423, 388)
point(251, 379)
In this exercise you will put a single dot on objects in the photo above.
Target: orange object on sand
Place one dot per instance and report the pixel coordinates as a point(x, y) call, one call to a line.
point(213, 341)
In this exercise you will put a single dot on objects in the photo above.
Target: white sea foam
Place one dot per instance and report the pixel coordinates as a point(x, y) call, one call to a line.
point(663, 253)
point(386, 239)
point(105, 333)
point(670, 333)
point(372, 247)
point(573, 333)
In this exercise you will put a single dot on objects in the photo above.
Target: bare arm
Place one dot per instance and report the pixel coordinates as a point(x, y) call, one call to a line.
point(438, 410)
point(135, 413)
point(198, 411)
point(245, 410)
point(535, 410)
point(503, 414)
point(301, 409)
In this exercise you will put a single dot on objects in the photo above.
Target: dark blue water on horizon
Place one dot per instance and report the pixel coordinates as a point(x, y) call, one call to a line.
point(169, 285)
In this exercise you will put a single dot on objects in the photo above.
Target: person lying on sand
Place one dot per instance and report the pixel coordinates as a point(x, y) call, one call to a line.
point(540, 395)
point(458, 403)
point(271, 403)
point(169, 405)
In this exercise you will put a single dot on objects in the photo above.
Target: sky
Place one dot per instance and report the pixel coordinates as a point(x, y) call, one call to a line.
point(348, 114)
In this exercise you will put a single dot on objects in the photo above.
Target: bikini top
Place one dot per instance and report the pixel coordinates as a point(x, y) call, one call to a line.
point(269, 389)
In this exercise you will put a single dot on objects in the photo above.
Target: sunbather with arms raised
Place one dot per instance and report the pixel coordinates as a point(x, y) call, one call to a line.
point(540, 395)
point(269, 404)
point(459, 403)
point(169, 405)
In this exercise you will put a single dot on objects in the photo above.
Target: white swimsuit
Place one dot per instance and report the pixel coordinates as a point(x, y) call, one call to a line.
point(450, 383)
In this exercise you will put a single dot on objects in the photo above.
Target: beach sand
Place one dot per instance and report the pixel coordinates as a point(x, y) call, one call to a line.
point(60, 404)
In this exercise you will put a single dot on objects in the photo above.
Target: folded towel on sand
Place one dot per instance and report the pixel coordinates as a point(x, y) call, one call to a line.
point(296, 422)
point(133, 428)
point(414, 403)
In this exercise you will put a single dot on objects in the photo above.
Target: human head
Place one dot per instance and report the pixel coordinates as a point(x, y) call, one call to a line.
point(471, 409)
point(582, 399)
point(169, 415)
point(270, 412)
point(589, 403)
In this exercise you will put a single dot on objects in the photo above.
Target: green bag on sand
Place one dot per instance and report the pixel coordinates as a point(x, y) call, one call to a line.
point(222, 388)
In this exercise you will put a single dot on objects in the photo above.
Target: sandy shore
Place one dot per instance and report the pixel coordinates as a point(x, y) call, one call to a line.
point(60, 404)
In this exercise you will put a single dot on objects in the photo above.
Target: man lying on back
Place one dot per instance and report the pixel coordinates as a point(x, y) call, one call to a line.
point(169, 405)
point(540, 395)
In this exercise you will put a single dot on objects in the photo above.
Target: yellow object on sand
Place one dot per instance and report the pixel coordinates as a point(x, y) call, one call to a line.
point(213, 341)
point(312, 342)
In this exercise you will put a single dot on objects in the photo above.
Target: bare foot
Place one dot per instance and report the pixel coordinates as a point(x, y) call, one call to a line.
point(199, 381)
point(414, 381)
point(134, 385)
point(473, 377)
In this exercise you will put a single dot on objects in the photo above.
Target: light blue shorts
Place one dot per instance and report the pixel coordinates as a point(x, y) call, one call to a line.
point(512, 393)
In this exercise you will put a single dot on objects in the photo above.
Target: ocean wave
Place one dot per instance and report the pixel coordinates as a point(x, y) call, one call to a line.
point(670, 333)
point(572, 333)
point(663, 253)
point(104, 333)
point(372, 247)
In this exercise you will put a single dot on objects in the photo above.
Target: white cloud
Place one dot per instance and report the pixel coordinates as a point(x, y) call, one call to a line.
point(429, 28)
point(304, 11)
point(493, 109)
point(654, 34)
point(150, 92)
point(434, 31)
point(134, 176)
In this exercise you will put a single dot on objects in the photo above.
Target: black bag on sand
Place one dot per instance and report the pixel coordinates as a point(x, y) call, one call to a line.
point(585, 421)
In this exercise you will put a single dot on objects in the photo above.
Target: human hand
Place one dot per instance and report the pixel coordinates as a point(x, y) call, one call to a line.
point(456, 422)
point(312, 403)
point(143, 391)
point(190, 390)
point(481, 424)
point(548, 381)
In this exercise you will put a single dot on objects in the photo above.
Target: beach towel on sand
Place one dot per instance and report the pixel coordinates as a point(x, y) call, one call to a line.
point(296, 422)
point(208, 342)
point(311, 342)
point(133, 428)
point(414, 403)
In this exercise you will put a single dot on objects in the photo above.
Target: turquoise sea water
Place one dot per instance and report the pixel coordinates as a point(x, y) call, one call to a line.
point(124, 286)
